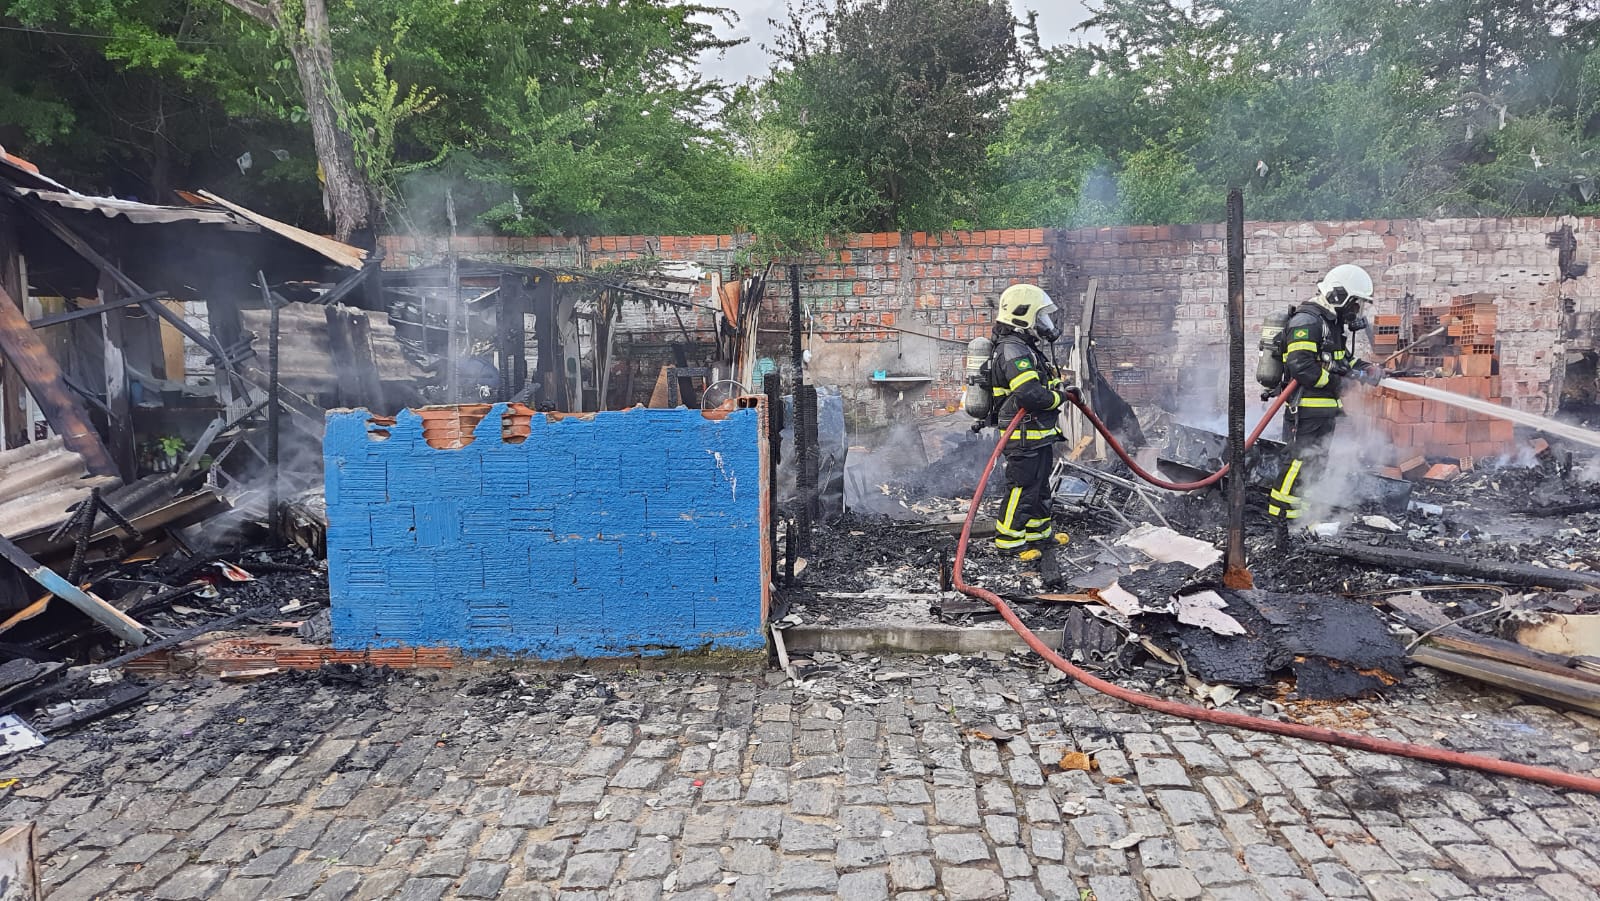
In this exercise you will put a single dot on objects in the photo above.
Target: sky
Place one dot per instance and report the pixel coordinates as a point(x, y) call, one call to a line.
point(748, 59)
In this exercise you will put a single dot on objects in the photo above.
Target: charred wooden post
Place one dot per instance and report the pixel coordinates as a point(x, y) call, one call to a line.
point(119, 408)
point(1236, 574)
point(547, 338)
point(805, 416)
point(13, 399)
point(772, 384)
point(39, 371)
point(274, 411)
point(512, 343)
point(365, 362)
point(346, 390)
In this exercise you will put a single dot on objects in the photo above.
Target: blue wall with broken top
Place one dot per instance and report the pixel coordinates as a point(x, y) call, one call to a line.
point(623, 532)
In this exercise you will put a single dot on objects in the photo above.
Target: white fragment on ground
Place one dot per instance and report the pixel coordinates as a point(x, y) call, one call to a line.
point(1121, 600)
point(1163, 545)
point(1203, 609)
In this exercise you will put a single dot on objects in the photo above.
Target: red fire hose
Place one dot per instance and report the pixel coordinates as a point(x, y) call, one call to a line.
point(1224, 717)
point(1141, 472)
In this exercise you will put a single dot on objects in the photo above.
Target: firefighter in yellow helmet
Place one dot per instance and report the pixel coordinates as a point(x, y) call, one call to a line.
point(1318, 356)
point(1023, 378)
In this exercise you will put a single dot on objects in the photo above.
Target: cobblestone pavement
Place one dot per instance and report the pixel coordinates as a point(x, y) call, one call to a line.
point(691, 785)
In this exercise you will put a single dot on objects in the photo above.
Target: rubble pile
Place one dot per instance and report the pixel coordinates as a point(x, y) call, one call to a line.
point(1500, 555)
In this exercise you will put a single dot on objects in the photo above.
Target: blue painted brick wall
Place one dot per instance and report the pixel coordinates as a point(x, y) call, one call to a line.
point(627, 531)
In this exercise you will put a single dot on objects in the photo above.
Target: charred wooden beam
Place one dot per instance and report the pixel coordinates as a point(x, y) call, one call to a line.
point(27, 354)
point(365, 361)
point(1401, 560)
point(120, 624)
point(13, 399)
point(345, 388)
point(1562, 691)
point(99, 309)
point(119, 407)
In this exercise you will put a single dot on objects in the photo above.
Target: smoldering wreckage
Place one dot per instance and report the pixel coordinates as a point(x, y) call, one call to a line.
point(167, 372)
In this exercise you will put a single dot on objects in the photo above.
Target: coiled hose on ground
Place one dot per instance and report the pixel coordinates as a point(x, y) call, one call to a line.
point(1539, 774)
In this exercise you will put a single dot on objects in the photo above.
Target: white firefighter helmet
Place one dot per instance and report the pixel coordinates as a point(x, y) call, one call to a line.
point(1028, 307)
point(1344, 284)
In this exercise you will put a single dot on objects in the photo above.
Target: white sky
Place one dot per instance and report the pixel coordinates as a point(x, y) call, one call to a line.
point(748, 59)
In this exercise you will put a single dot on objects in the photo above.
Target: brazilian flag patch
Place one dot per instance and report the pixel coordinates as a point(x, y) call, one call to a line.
point(1024, 364)
point(1301, 333)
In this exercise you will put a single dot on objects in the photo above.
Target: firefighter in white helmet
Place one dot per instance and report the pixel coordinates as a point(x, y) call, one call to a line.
point(1319, 357)
point(1022, 377)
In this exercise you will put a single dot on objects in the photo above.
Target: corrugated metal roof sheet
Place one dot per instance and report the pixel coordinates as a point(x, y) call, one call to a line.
point(141, 213)
point(305, 356)
point(39, 484)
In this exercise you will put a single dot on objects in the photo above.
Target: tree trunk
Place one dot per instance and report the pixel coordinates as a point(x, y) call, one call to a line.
point(346, 196)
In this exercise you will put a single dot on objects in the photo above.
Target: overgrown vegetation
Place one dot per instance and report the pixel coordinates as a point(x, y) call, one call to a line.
point(592, 117)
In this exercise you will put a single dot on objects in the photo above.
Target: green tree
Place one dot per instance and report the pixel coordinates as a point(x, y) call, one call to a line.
point(893, 104)
point(1322, 109)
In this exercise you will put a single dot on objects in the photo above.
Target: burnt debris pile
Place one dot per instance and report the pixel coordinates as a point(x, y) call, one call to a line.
point(1488, 569)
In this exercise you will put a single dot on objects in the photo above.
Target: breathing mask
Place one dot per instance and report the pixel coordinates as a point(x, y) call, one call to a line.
point(1046, 327)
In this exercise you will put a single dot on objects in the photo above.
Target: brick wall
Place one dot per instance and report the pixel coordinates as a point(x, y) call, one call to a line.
point(908, 302)
point(497, 529)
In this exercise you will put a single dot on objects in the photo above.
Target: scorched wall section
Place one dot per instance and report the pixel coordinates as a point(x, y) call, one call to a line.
point(616, 533)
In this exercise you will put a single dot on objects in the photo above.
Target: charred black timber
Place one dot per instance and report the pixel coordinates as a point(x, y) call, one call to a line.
point(274, 410)
point(346, 390)
point(805, 443)
point(39, 371)
point(772, 384)
point(1560, 510)
point(96, 310)
point(349, 285)
point(1401, 560)
point(366, 362)
point(18, 431)
point(119, 415)
point(552, 378)
point(1235, 236)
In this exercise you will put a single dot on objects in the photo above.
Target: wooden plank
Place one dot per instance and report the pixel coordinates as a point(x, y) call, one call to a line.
point(1423, 615)
point(1559, 690)
point(19, 866)
point(119, 623)
point(41, 373)
point(172, 345)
